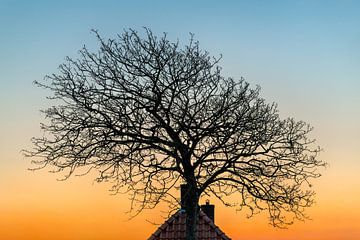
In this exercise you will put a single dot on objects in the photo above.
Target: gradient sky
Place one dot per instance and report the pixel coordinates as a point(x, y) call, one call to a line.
point(304, 54)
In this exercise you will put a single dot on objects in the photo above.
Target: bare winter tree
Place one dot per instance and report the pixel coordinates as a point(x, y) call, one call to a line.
point(148, 115)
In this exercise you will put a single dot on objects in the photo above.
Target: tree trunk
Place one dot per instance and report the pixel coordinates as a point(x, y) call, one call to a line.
point(192, 211)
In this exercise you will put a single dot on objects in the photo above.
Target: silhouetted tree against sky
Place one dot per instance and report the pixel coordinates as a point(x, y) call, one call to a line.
point(149, 114)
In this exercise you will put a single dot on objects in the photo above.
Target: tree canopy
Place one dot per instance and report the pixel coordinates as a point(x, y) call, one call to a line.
point(149, 114)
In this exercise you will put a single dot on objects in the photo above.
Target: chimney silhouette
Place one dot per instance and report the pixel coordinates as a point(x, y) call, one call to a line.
point(209, 210)
point(184, 189)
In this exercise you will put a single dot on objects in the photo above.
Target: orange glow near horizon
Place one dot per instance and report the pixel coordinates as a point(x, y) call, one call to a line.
point(76, 209)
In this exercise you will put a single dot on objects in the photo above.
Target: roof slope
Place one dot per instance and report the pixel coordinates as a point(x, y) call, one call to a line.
point(174, 228)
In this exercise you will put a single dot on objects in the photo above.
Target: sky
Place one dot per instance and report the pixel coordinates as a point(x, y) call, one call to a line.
point(305, 55)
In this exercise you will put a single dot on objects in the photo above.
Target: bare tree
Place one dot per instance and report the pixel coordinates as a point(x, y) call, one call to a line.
point(149, 114)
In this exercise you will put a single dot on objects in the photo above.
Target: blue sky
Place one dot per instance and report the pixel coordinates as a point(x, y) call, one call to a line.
point(303, 51)
point(315, 41)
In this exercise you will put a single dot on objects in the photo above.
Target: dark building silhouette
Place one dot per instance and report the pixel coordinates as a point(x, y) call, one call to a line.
point(175, 227)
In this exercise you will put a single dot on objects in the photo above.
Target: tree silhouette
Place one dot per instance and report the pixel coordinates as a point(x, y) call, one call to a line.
point(148, 115)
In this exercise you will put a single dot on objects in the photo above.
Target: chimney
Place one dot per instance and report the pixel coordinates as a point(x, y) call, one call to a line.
point(209, 210)
point(183, 193)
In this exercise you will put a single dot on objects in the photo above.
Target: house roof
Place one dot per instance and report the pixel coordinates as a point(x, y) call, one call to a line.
point(174, 228)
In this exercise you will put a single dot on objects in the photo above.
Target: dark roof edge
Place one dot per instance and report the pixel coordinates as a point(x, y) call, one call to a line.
point(178, 214)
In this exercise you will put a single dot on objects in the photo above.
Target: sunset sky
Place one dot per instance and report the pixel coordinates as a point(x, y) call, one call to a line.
point(305, 55)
